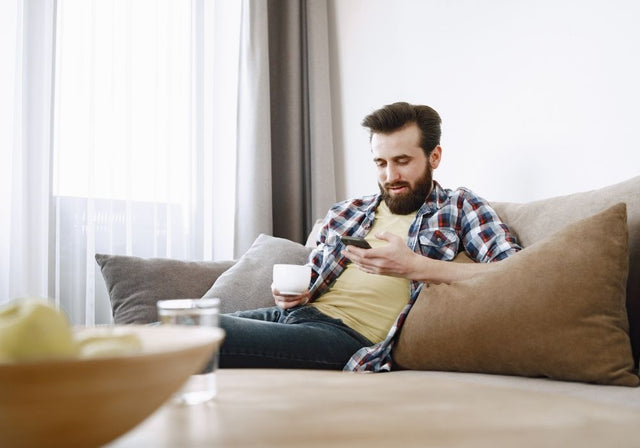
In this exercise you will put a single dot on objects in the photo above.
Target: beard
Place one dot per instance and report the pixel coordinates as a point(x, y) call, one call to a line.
point(403, 204)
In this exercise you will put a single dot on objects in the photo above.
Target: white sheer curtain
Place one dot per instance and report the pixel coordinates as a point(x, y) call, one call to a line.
point(26, 44)
point(135, 153)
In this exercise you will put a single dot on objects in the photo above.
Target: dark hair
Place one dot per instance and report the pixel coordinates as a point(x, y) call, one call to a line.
point(393, 117)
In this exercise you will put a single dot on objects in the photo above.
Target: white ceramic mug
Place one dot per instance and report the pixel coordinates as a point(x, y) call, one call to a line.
point(291, 279)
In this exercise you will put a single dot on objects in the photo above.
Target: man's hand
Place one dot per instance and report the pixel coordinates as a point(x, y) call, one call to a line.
point(289, 301)
point(397, 260)
point(394, 259)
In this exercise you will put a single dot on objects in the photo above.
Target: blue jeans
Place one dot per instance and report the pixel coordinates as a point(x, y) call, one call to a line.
point(299, 338)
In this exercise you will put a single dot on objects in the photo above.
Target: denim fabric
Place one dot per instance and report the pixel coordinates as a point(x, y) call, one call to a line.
point(299, 338)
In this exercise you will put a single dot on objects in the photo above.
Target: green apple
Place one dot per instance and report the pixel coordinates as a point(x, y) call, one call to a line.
point(97, 342)
point(33, 329)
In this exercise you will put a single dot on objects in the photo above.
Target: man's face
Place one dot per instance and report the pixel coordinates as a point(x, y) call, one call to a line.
point(404, 171)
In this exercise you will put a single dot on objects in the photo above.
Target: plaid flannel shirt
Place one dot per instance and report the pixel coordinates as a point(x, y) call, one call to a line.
point(448, 222)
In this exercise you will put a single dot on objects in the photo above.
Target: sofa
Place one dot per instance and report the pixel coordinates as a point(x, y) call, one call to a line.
point(556, 326)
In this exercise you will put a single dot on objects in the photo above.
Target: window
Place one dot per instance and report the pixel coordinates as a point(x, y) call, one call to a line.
point(123, 109)
point(143, 137)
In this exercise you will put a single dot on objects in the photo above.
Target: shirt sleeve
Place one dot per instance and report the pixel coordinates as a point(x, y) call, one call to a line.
point(321, 260)
point(317, 254)
point(484, 236)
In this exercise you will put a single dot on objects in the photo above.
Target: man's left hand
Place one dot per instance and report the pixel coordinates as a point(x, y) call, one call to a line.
point(394, 259)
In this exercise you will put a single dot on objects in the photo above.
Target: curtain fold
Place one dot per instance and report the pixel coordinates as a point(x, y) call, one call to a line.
point(321, 149)
point(253, 211)
point(26, 102)
point(286, 57)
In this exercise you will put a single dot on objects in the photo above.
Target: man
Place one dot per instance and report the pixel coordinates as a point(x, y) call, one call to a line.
point(358, 298)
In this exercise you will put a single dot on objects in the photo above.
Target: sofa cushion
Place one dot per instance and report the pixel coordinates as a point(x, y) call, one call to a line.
point(136, 284)
point(554, 309)
point(534, 221)
point(247, 285)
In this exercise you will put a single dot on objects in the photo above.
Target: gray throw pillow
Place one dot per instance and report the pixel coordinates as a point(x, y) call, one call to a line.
point(136, 284)
point(247, 285)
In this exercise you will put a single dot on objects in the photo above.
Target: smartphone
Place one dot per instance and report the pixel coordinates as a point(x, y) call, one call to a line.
point(358, 242)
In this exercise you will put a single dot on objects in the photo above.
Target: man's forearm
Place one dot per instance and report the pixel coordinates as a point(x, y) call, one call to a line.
point(429, 270)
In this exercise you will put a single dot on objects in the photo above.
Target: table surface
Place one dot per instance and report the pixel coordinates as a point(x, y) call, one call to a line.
point(314, 408)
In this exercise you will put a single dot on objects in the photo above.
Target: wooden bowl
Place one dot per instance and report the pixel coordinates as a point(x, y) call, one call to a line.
point(89, 402)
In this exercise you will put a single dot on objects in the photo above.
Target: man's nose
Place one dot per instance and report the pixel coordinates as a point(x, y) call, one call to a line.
point(392, 173)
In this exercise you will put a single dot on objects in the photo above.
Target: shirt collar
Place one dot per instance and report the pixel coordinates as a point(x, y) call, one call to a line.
point(437, 197)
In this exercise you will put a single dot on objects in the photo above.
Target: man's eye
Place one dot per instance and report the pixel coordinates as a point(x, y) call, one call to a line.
point(380, 164)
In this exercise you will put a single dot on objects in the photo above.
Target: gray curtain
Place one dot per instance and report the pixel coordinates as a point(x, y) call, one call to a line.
point(285, 167)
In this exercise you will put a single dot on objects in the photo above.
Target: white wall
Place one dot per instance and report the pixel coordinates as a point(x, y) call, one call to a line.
point(537, 98)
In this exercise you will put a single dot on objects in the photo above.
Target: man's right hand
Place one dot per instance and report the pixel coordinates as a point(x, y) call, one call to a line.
point(289, 301)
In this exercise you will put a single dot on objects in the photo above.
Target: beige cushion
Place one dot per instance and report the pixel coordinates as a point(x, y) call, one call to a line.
point(312, 239)
point(555, 309)
point(534, 221)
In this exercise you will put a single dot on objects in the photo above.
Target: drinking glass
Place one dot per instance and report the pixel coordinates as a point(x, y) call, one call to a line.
point(200, 387)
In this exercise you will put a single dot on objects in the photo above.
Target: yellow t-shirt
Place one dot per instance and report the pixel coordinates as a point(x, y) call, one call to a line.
point(370, 303)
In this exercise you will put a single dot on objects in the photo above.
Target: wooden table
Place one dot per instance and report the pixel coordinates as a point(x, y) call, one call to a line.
point(327, 409)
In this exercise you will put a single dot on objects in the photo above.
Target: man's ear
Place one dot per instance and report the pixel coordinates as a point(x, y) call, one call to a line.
point(435, 157)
